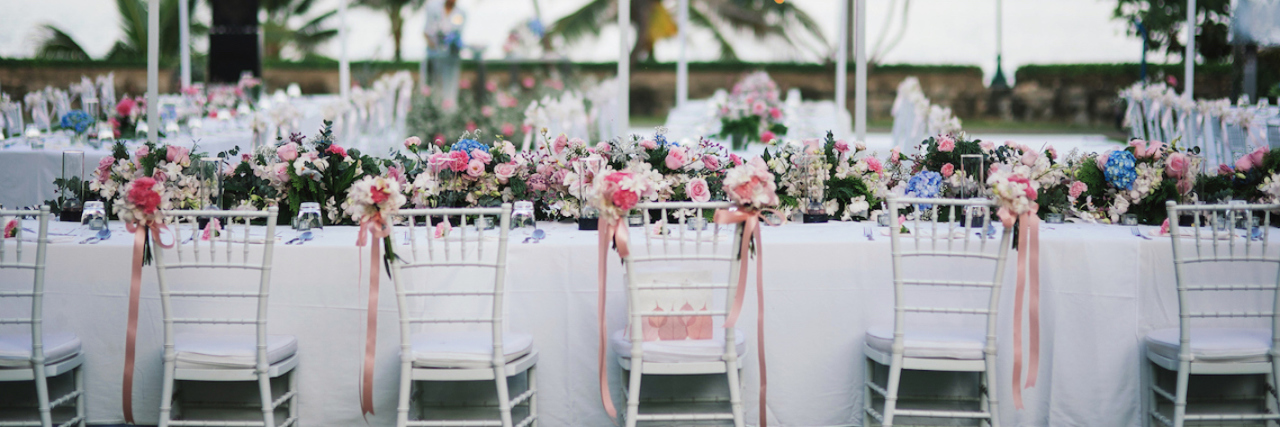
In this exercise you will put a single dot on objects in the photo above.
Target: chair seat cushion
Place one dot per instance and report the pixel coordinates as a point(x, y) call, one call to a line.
point(931, 343)
point(1234, 345)
point(229, 351)
point(15, 348)
point(681, 351)
point(465, 350)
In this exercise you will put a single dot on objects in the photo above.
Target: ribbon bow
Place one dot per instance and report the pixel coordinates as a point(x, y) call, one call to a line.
point(375, 226)
point(1028, 259)
point(140, 231)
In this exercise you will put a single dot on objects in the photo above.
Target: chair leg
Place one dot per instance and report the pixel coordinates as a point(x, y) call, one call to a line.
point(991, 395)
point(633, 395)
point(1180, 405)
point(42, 393)
point(891, 398)
point(532, 375)
point(406, 393)
point(293, 401)
point(1273, 401)
point(166, 394)
point(264, 390)
point(735, 393)
point(80, 408)
point(504, 396)
point(868, 375)
point(1150, 402)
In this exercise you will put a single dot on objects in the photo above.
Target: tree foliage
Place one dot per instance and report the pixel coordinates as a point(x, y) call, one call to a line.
point(1165, 20)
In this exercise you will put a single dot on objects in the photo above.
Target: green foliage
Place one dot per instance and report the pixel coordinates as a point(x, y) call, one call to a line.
point(1166, 19)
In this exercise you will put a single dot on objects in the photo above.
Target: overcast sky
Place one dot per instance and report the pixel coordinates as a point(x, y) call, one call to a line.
point(938, 31)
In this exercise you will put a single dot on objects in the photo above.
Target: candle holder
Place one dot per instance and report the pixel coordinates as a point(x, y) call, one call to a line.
point(71, 191)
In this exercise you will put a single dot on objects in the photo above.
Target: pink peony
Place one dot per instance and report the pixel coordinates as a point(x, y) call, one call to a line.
point(841, 146)
point(483, 156)
point(508, 129)
point(1177, 165)
point(676, 158)
point(412, 141)
point(648, 144)
point(458, 161)
point(504, 171)
point(697, 190)
point(946, 144)
point(475, 168)
point(767, 136)
point(143, 196)
point(948, 169)
point(288, 152)
point(711, 162)
point(874, 165)
point(625, 199)
point(336, 150)
point(1077, 188)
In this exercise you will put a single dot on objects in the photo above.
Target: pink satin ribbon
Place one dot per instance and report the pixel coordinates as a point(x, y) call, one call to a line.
point(1028, 271)
point(751, 231)
point(135, 289)
point(376, 227)
point(612, 230)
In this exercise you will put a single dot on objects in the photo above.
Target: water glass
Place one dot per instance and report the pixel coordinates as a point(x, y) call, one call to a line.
point(1129, 220)
point(308, 217)
point(94, 215)
point(1053, 218)
point(522, 216)
point(884, 219)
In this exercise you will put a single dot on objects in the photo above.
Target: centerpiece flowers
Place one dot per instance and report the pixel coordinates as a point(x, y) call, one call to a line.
point(849, 179)
point(78, 122)
point(1138, 179)
point(470, 173)
point(752, 112)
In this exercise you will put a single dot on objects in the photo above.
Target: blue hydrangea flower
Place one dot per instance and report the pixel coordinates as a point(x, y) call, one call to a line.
point(77, 120)
point(1121, 170)
point(926, 184)
point(467, 145)
point(661, 140)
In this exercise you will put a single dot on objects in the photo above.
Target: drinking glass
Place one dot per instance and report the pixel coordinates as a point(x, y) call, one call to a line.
point(94, 215)
point(210, 174)
point(522, 217)
point(1129, 220)
point(309, 217)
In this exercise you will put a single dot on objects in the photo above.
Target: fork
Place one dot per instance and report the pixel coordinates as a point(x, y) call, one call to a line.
point(866, 232)
point(1138, 233)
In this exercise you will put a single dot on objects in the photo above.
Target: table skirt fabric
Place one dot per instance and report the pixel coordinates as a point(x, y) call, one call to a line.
point(1103, 290)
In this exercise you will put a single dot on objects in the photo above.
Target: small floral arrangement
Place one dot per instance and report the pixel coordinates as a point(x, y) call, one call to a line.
point(77, 121)
point(471, 173)
point(1137, 179)
point(751, 186)
point(373, 197)
point(614, 193)
point(168, 170)
point(1015, 192)
point(849, 179)
point(752, 112)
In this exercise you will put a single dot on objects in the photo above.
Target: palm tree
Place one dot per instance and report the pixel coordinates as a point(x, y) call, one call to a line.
point(762, 19)
point(277, 33)
point(394, 9)
point(57, 44)
point(132, 45)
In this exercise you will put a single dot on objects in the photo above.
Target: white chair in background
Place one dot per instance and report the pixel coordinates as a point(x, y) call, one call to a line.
point(1190, 350)
point(35, 355)
point(220, 357)
point(720, 355)
point(952, 348)
point(448, 356)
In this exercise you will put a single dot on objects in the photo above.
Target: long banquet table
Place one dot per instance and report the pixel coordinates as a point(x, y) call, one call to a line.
point(1102, 290)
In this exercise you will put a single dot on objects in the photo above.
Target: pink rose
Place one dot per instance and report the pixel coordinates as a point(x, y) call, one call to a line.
point(874, 165)
point(1257, 155)
point(396, 173)
point(1223, 169)
point(143, 151)
point(1077, 188)
point(1177, 165)
point(1139, 147)
point(288, 152)
point(625, 199)
point(946, 144)
point(698, 190)
point(337, 150)
point(841, 146)
point(1029, 157)
point(1185, 184)
point(1102, 160)
point(443, 229)
point(439, 139)
point(602, 147)
point(767, 136)
point(508, 129)
point(491, 86)
point(648, 144)
point(458, 161)
point(504, 171)
point(483, 156)
point(104, 168)
point(508, 148)
point(775, 113)
point(486, 111)
point(1164, 227)
point(557, 177)
point(1155, 150)
point(676, 158)
point(947, 170)
point(895, 155)
point(1243, 164)
point(577, 142)
point(987, 146)
point(736, 159)
point(711, 162)
point(475, 168)
point(560, 144)
point(10, 229)
point(527, 82)
point(758, 109)
point(142, 195)
point(412, 142)
point(281, 171)
point(1053, 154)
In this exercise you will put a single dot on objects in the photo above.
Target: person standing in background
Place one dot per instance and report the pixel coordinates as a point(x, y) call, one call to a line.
point(443, 32)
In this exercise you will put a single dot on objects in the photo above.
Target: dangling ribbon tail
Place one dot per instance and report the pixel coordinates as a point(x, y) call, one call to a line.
point(1028, 274)
point(612, 230)
point(135, 289)
point(376, 227)
point(750, 232)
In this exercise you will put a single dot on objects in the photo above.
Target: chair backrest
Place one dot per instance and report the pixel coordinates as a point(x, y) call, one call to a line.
point(1218, 244)
point(453, 250)
point(960, 236)
point(231, 249)
point(664, 245)
point(16, 261)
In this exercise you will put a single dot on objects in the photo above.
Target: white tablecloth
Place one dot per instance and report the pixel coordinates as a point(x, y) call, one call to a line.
point(1102, 290)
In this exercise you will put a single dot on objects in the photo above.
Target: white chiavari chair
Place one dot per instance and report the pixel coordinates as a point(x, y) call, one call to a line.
point(448, 354)
point(194, 274)
point(681, 249)
point(34, 354)
point(1216, 350)
point(961, 347)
